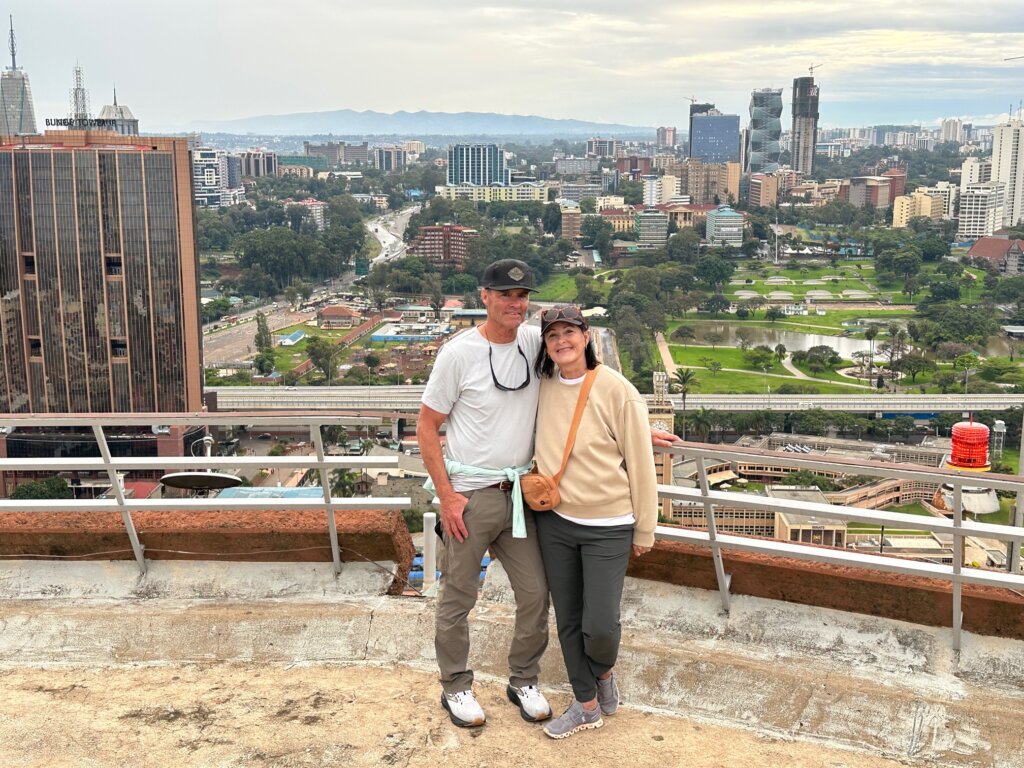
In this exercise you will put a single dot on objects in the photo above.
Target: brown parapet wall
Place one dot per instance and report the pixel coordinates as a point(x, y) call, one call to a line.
point(986, 610)
point(254, 536)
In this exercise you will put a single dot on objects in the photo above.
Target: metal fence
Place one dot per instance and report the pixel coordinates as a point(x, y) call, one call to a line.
point(320, 461)
point(959, 528)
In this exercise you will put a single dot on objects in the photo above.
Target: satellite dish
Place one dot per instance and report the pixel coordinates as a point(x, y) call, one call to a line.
point(201, 482)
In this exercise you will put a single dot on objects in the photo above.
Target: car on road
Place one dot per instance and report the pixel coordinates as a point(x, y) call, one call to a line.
point(264, 436)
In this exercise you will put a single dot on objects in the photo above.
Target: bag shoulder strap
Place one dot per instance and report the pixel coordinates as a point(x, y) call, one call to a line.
point(581, 403)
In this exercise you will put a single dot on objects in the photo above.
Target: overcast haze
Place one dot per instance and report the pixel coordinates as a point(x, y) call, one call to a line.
point(634, 63)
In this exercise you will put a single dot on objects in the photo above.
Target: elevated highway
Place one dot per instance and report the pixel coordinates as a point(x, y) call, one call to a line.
point(405, 400)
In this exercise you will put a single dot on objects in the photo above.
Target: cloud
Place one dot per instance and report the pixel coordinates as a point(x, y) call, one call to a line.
point(879, 61)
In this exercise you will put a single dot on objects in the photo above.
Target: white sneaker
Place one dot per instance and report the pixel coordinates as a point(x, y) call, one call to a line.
point(463, 709)
point(531, 702)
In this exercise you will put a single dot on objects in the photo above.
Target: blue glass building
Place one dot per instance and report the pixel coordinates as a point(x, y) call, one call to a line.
point(715, 138)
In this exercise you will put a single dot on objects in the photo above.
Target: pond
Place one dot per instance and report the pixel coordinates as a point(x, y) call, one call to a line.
point(793, 340)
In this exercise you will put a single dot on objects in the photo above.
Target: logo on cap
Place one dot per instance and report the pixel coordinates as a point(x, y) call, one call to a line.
point(516, 273)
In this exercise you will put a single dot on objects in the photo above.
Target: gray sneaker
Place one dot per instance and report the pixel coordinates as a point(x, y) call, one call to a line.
point(608, 695)
point(575, 718)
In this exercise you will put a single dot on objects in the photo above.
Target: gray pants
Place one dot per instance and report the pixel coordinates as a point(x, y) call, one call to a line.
point(488, 519)
point(586, 568)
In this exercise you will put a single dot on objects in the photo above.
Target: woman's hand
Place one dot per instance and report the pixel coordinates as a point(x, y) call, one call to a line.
point(638, 550)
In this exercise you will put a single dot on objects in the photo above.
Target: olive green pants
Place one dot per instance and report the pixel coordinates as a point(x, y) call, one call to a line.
point(488, 519)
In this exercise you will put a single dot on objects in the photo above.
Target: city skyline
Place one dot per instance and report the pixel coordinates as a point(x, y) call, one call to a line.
point(877, 64)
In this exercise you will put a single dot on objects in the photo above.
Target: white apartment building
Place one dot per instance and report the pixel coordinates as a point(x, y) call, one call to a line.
point(210, 179)
point(949, 193)
point(975, 170)
point(981, 209)
point(659, 190)
point(1008, 167)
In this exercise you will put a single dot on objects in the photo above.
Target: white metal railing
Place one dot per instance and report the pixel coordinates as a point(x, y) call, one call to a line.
point(112, 466)
point(958, 527)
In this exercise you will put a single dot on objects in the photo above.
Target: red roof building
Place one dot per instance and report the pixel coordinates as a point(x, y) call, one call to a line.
point(1003, 253)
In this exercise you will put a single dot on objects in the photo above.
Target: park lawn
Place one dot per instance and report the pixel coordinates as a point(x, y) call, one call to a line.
point(1011, 456)
point(729, 357)
point(737, 383)
point(832, 375)
point(562, 287)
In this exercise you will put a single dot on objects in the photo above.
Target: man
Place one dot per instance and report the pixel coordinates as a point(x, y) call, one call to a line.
point(482, 385)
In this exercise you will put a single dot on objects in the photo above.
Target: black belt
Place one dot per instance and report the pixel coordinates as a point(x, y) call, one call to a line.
point(504, 485)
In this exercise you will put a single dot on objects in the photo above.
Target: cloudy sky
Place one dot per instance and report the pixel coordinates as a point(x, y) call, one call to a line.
point(636, 63)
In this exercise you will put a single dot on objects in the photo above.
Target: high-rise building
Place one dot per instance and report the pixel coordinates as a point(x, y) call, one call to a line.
point(258, 162)
point(121, 118)
point(478, 165)
point(952, 130)
point(1008, 167)
point(387, 158)
point(652, 228)
point(805, 124)
point(98, 275)
point(445, 246)
point(659, 190)
point(765, 130)
point(17, 113)
point(695, 109)
point(975, 170)
point(949, 193)
point(981, 209)
point(598, 147)
point(212, 177)
point(714, 137)
point(666, 136)
point(764, 190)
point(907, 207)
point(725, 227)
point(572, 222)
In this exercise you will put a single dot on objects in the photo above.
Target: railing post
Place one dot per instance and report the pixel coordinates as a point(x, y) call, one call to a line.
point(1013, 546)
point(716, 549)
point(325, 486)
point(429, 551)
point(115, 484)
point(958, 560)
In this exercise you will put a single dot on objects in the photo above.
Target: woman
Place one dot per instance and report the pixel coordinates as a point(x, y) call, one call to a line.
point(608, 507)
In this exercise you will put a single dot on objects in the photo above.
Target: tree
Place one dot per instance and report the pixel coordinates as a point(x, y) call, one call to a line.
point(759, 358)
point(744, 337)
point(324, 355)
point(588, 205)
point(683, 334)
point(343, 483)
point(714, 366)
point(597, 232)
point(551, 219)
point(714, 338)
point(713, 271)
point(944, 380)
point(50, 488)
point(716, 303)
point(262, 342)
point(780, 352)
point(870, 333)
point(685, 381)
point(915, 363)
point(774, 313)
point(432, 283)
point(264, 363)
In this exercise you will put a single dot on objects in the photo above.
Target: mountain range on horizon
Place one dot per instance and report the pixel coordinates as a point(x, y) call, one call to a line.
point(368, 122)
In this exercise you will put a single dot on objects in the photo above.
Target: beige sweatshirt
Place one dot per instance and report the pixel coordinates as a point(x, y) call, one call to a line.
point(611, 468)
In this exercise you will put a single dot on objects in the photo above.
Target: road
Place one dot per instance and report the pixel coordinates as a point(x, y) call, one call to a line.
point(389, 230)
point(237, 342)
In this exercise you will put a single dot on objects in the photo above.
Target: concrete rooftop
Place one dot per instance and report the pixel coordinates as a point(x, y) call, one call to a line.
point(281, 664)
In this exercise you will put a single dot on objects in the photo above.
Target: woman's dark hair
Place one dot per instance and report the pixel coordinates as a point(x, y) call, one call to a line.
point(544, 366)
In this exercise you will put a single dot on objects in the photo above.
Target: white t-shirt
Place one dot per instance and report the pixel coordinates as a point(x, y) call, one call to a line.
point(486, 427)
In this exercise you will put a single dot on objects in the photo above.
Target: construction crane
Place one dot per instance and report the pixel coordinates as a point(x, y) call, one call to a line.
point(1011, 58)
point(813, 67)
point(693, 99)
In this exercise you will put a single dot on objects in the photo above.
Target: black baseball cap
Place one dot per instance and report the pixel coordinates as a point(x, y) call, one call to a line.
point(562, 313)
point(508, 274)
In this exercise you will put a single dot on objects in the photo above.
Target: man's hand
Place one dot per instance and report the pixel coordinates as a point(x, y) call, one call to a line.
point(452, 507)
point(662, 439)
